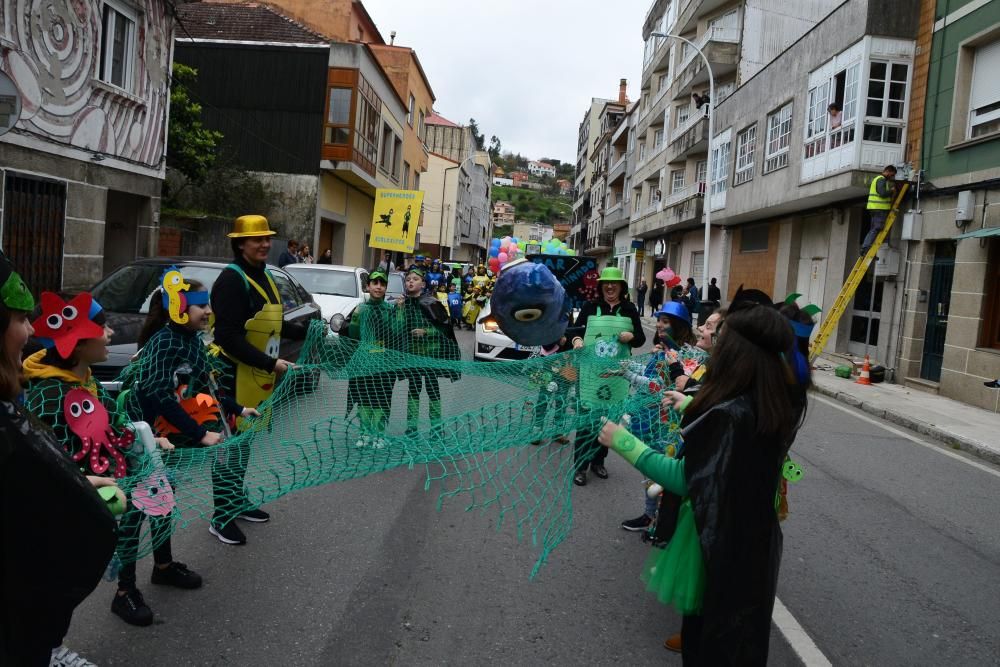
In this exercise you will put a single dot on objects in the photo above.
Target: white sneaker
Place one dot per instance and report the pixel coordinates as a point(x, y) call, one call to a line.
point(362, 442)
point(379, 443)
point(63, 657)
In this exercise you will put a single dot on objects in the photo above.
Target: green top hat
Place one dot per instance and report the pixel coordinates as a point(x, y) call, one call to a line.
point(13, 292)
point(611, 274)
point(378, 274)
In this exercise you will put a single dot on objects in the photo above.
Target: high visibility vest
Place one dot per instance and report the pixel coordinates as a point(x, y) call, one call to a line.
point(876, 202)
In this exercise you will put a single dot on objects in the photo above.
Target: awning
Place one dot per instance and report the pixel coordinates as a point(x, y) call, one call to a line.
point(979, 233)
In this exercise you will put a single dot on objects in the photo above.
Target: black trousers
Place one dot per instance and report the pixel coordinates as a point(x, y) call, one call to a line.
point(129, 532)
point(229, 469)
point(586, 450)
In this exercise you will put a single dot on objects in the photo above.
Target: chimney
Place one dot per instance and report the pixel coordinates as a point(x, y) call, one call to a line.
point(392, 38)
point(622, 95)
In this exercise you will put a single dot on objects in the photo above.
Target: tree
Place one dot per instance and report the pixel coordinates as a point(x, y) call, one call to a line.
point(191, 147)
point(478, 136)
point(494, 149)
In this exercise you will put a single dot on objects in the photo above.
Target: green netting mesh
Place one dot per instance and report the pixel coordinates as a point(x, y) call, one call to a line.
point(392, 391)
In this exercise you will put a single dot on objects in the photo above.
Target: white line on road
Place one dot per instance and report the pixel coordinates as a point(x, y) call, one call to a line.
point(800, 641)
point(903, 434)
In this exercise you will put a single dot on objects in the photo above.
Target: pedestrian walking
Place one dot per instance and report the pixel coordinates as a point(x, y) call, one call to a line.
point(640, 296)
point(615, 322)
point(720, 567)
point(656, 295)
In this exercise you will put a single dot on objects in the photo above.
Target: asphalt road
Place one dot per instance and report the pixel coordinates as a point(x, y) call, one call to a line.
point(892, 557)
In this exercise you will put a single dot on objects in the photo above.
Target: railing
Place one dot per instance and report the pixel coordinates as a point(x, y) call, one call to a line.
point(713, 34)
point(602, 240)
point(693, 119)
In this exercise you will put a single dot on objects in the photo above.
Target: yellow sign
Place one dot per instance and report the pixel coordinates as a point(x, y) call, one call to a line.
point(395, 219)
point(640, 255)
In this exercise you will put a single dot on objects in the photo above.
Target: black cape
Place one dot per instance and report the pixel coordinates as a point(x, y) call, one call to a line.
point(732, 477)
point(56, 538)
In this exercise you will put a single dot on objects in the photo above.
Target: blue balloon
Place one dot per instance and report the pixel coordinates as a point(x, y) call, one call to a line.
point(494, 251)
point(495, 243)
point(514, 239)
point(529, 304)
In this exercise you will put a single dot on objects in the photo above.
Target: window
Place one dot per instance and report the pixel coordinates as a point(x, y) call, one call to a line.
point(984, 96)
point(422, 126)
point(779, 131)
point(409, 111)
point(631, 140)
point(845, 95)
point(662, 82)
point(720, 167)
point(385, 157)
point(658, 138)
point(753, 238)
point(337, 129)
point(746, 143)
point(367, 126)
point(397, 155)
point(642, 151)
point(676, 181)
point(700, 174)
point(406, 175)
point(683, 113)
point(816, 120)
point(117, 45)
point(886, 90)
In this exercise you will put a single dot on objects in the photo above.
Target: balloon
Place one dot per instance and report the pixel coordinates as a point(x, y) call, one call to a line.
point(495, 242)
point(514, 240)
point(494, 252)
point(503, 257)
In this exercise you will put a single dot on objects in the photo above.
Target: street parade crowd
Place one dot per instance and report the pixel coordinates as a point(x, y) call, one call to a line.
point(713, 493)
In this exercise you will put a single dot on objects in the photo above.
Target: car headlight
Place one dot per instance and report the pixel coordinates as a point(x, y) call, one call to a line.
point(490, 325)
point(337, 322)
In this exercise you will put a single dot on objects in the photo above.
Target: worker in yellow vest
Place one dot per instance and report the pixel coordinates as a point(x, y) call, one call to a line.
point(880, 198)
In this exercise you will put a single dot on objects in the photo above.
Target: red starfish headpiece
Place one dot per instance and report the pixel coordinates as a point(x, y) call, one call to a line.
point(64, 324)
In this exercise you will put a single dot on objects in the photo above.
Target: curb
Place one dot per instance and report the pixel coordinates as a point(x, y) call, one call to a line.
point(967, 445)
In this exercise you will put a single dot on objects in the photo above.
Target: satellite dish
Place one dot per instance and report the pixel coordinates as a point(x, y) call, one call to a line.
point(10, 103)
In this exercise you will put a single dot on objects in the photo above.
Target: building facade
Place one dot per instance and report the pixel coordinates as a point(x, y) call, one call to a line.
point(539, 169)
point(503, 212)
point(82, 169)
point(588, 128)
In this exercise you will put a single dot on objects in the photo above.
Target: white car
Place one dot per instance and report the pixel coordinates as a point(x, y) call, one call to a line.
point(493, 345)
point(338, 290)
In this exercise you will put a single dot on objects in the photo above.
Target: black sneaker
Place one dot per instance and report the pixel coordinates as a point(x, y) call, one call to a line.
point(177, 575)
point(993, 384)
point(580, 478)
point(637, 524)
point(228, 534)
point(132, 608)
point(255, 516)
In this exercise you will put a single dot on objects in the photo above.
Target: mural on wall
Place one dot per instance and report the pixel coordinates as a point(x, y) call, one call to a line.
point(52, 50)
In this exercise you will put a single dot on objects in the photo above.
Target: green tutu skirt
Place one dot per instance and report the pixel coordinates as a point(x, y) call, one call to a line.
point(676, 573)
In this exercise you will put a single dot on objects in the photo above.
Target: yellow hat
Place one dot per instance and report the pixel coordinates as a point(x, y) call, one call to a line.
point(250, 225)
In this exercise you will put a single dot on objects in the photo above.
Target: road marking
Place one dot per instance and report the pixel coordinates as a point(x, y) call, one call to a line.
point(903, 434)
point(798, 639)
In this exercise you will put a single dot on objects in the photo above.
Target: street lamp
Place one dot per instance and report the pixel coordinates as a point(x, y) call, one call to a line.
point(444, 183)
point(707, 207)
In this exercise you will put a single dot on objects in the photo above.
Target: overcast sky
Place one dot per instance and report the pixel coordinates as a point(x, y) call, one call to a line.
point(524, 69)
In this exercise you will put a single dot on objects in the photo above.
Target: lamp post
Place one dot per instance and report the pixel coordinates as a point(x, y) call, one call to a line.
point(707, 207)
point(444, 183)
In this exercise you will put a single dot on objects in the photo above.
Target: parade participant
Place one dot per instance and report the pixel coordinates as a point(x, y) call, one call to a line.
point(429, 332)
point(474, 303)
point(611, 327)
point(58, 533)
point(481, 280)
point(456, 278)
point(455, 306)
point(470, 274)
point(435, 277)
point(248, 330)
point(673, 327)
point(720, 567)
point(63, 393)
point(374, 326)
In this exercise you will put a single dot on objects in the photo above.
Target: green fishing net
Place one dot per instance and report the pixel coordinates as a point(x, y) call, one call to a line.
point(391, 391)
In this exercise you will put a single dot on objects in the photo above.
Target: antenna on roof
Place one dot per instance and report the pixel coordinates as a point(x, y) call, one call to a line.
point(392, 38)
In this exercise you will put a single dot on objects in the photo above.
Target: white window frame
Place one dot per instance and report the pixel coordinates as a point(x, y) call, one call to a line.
point(746, 144)
point(677, 184)
point(118, 11)
point(683, 113)
point(990, 103)
point(886, 125)
point(779, 137)
point(720, 168)
point(701, 174)
point(409, 110)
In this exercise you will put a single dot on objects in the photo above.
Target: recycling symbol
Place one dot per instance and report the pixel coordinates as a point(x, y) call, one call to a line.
point(604, 392)
point(606, 349)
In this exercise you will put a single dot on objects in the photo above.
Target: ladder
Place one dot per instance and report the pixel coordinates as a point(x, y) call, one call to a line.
point(857, 275)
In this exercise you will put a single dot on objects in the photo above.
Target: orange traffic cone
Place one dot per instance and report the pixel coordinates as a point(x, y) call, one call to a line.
point(865, 377)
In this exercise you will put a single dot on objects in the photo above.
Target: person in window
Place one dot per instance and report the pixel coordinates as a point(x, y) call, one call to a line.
point(836, 116)
point(700, 100)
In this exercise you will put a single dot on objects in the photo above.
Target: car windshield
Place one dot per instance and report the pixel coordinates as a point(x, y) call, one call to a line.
point(128, 290)
point(326, 281)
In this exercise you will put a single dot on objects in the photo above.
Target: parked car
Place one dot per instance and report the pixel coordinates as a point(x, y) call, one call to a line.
point(339, 289)
point(493, 345)
point(126, 293)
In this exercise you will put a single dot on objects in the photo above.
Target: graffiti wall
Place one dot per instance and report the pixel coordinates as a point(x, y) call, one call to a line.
point(92, 74)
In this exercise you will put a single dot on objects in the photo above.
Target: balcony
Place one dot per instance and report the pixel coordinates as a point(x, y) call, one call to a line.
point(690, 139)
point(617, 172)
point(722, 48)
point(600, 244)
point(615, 218)
point(682, 209)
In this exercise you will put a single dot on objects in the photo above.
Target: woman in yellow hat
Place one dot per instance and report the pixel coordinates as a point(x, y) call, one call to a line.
point(248, 328)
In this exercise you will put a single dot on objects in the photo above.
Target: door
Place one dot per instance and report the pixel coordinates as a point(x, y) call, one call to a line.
point(121, 228)
point(938, 303)
point(34, 218)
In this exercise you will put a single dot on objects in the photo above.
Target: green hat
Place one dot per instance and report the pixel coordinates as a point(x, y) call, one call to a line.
point(13, 292)
point(417, 270)
point(378, 274)
point(611, 274)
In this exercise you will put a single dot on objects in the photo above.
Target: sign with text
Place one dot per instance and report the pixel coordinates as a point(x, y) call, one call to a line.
point(395, 219)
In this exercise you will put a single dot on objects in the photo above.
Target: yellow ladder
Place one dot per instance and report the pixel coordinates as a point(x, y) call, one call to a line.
point(857, 275)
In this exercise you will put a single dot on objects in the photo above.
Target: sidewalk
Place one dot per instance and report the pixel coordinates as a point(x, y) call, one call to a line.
point(956, 424)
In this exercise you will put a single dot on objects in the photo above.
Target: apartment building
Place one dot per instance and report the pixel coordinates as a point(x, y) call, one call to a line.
point(503, 212)
point(589, 127)
point(949, 302)
point(605, 206)
point(457, 186)
point(671, 144)
point(539, 169)
point(82, 168)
